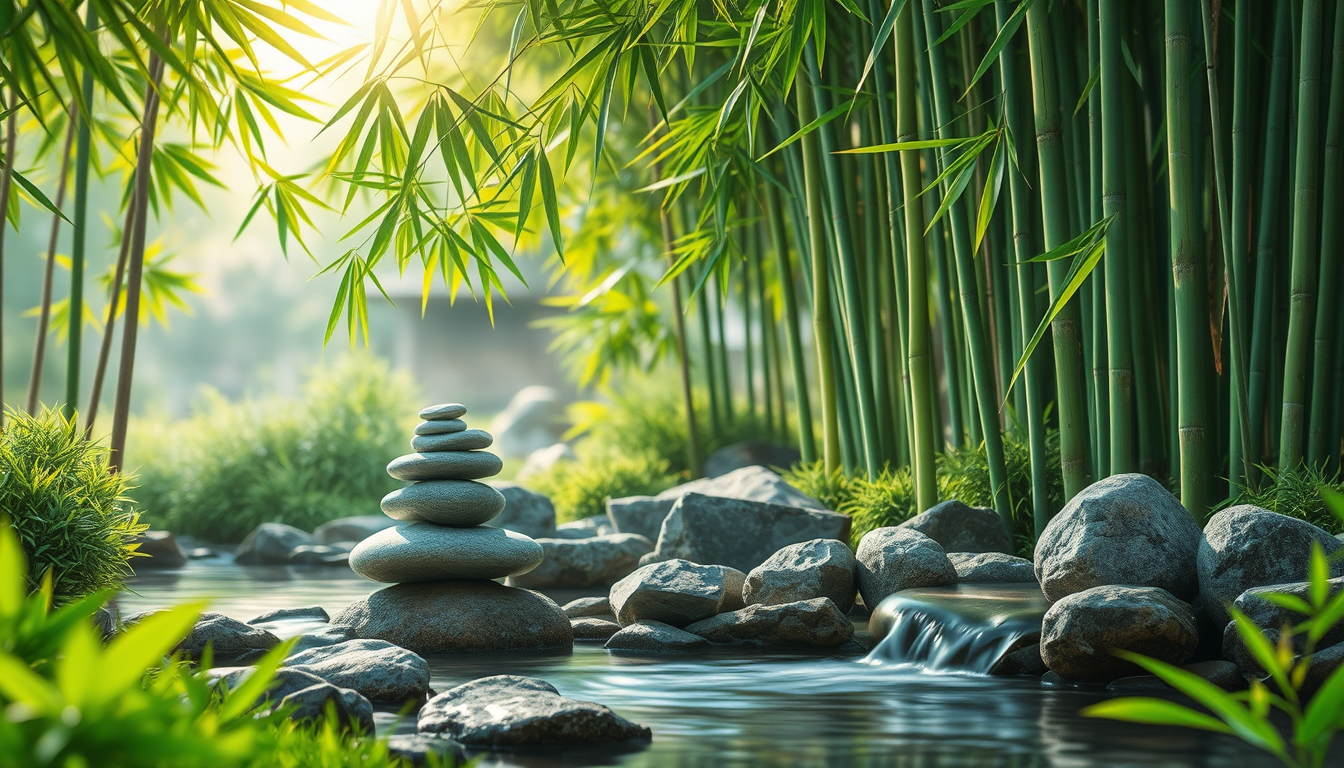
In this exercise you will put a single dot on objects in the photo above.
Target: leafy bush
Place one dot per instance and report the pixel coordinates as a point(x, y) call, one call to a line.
point(834, 489)
point(1296, 492)
point(648, 416)
point(580, 488)
point(68, 701)
point(69, 512)
point(233, 466)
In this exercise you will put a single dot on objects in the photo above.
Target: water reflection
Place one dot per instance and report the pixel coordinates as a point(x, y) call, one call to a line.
point(761, 709)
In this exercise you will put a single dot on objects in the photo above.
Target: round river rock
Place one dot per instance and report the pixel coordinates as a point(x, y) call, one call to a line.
point(448, 465)
point(426, 552)
point(457, 503)
point(469, 440)
point(443, 412)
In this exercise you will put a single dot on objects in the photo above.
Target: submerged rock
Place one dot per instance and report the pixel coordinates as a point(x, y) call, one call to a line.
point(1124, 530)
point(232, 641)
point(1245, 547)
point(158, 549)
point(1080, 632)
point(379, 670)
point(893, 559)
point(309, 613)
point(512, 711)
point(460, 617)
point(579, 563)
point(416, 748)
point(655, 637)
point(675, 592)
point(816, 568)
point(816, 623)
point(961, 528)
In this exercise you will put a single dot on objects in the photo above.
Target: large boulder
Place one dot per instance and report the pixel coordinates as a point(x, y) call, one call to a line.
point(593, 628)
point(158, 549)
point(1126, 529)
point(379, 670)
point(815, 623)
point(232, 641)
point(738, 533)
point(512, 711)
point(655, 637)
point(526, 512)
point(751, 453)
point(817, 568)
point(892, 559)
point(961, 528)
point(270, 543)
point(675, 592)
point(1081, 632)
point(645, 514)
point(460, 617)
point(579, 563)
point(1245, 547)
point(991, 568)
point(534, 419)
point(357, 528)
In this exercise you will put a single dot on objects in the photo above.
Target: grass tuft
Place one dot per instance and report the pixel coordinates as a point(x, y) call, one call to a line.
point(1296, 493)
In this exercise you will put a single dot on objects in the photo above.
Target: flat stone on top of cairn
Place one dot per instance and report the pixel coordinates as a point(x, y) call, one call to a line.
point(444, 548)
point(443, 412)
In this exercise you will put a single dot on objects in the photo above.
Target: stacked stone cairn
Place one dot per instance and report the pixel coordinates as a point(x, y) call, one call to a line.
point(442, 556)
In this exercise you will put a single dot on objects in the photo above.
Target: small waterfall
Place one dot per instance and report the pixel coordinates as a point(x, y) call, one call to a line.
point(967, 628)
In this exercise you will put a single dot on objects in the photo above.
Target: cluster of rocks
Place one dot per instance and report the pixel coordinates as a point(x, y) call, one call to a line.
point(327, 669)
point(443, 559)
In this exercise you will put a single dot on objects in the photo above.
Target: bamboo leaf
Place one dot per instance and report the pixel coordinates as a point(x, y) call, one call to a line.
point(880, 40)
point(1150, 711)
point(1084, 263)
point(833, 113)
point(1092, 81)
point(989, 197)
point(549, 202)
point(1005, 36)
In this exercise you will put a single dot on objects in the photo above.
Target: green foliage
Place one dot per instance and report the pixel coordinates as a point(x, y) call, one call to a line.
point(69, 512)
point(68, 701)
point(1299, 493)
point(580, 489)
point(1315, 717)
point(648, 417)
point(233, 466)
point(963, 474)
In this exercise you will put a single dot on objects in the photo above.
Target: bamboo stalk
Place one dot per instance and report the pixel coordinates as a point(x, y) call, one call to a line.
point(1238, 259)
point(1323, 392)
point(110, 326)
point(1116, 261)
point(981, 363)
point(79, 237)
point(1187, 267)
point(126, 370)
point(1066, 328)
point(1302, 286)
point(792, 335)
point(44, 309)
point(926, 490)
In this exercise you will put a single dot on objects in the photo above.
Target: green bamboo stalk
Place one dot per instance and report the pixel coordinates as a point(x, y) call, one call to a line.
point(44, 311)
point(1116, 262)
point(718, 299)
point(707, 345)
point(756, 266)
point(1225, 217)
point(851, 303)
point(1323, 392)
point(981, 362)
point(1033, 374)
point(1187, 267)
point(79, 235)
point(1066, 328)
point(1101, 319)
point(1302, 283)
point(1267, 229)
point(807, 446)
point(748, 348)
point(926, 490)
point(1238, 259)
point(121, 409)
point(821, 293)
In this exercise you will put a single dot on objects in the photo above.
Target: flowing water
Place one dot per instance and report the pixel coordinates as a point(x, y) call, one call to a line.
point(967, 627)
point(750, 708)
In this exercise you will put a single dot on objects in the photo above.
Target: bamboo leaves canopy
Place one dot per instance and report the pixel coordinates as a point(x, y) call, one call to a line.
point(934, 224)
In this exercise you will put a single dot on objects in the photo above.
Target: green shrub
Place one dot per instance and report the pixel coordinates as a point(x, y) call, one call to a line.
point(887, 500)
point(1297, 493)
point(233, 466)
point(67, 509)
point(833, 489)
point(648, 416)
point(580, 488)
point(68, 701)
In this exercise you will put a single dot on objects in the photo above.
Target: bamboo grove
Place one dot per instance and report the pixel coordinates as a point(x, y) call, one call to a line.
point(1105, 228)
